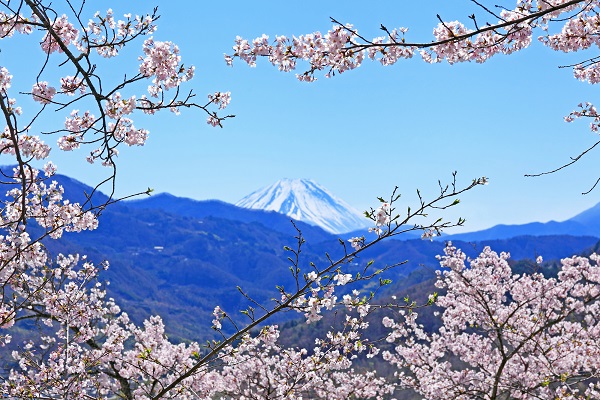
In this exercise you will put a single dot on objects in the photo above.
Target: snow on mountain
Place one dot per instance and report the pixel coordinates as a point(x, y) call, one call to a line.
point(306, 200)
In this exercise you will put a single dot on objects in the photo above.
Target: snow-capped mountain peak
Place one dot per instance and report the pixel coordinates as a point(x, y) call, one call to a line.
point(306, 200)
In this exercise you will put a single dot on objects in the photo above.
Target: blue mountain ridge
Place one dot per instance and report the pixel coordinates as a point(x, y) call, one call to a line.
point(201, 209)
point(580, 225)
point(179, 257)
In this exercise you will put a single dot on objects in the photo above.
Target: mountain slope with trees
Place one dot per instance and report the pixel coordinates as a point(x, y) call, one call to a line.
point(180, 258)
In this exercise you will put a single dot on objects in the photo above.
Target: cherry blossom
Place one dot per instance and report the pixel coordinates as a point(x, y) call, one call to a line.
point(42, 92)
point(429, 234)
point(70, 84)
point(220, 98)
point(162, 61)
point(5, 79)
point(116, 106)
point(213, 121)
point(65, 30)
point(11, 23)
point(382, 214)
point(356, 242)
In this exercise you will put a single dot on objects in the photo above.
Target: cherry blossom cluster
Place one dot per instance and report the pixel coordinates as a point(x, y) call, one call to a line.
point(44, 202)
point(221, 99)
point(76, 125)
point(321, 51)
point(42, 92)
point(71, 84)
point(260, 368)
point(65, 30)
point(579, 33)
point(11, 23)
point(219, 315)
point(429, 234)
point(116, 106)
point(86, 352)
point(586, 110)
point(5, 79)
point(125, 131)
point(357, 242)
point(382, 218)
point(108, 36)
point(28, 146)
point(504, 334)
point(163, 62)
point(104, 35)
point(321, 296)
point(342, 48)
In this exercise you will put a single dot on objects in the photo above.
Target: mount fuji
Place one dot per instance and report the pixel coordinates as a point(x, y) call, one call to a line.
point(307, 201)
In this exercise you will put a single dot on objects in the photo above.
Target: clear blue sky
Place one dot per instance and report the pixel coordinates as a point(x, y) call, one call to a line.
point(362, 133)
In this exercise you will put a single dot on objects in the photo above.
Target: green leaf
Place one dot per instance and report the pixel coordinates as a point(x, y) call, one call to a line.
point(383, 282)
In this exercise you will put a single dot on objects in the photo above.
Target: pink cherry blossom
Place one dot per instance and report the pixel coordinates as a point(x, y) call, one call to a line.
point(222, 99)
point(5, 79)
point(116, 106)
point(42, 92)
point(162, 61)
point(70, 84)
point(503, 333)
point(356, 242)
point(382, 215)
point(65, 30)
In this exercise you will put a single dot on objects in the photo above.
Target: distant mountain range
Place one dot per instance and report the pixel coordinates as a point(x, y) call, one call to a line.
point(179, 257)
point(586, 223)
point(205, 208)
point(307, 201)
